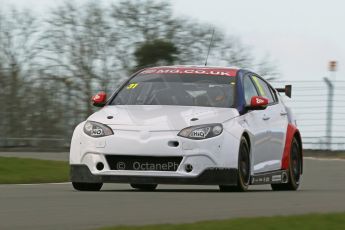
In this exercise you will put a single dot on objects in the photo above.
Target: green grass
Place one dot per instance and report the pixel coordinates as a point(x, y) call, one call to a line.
point(302, 222)
point(28, 171)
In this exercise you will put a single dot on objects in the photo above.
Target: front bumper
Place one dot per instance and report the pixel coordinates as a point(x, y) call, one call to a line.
point(214, 160)
point(210, 176)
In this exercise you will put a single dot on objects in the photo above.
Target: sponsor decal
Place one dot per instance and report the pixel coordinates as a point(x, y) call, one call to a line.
point(262, 180)
point(268, 178)
point(276, 178)
point(259, 101)
point(200, 133)
point(203, 71)
point(96, 132)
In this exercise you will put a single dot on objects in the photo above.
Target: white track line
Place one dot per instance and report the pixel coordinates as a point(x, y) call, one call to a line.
point(323, 159)
point(62, 183)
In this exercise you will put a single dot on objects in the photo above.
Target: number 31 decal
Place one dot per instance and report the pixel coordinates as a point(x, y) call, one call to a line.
point(132, 86)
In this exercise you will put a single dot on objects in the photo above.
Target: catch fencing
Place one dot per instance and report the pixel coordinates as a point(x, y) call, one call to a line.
point(319, 107)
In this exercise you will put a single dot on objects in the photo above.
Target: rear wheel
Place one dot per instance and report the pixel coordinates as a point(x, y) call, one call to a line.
point(144, 187)
point(87, 186)
point(243, 175)
point(295, 169)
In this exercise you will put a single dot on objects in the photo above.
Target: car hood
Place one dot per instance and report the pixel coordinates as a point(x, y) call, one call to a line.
point(160, 118)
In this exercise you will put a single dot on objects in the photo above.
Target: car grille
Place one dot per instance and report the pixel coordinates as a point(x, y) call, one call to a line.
point(143, 163)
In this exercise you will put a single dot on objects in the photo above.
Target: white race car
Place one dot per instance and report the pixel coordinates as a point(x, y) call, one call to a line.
point(189, 125)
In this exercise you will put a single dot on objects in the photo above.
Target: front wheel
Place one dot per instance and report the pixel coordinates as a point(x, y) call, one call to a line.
point(144, 187)
point(243, 175)
point(295, 170)
point(87, 186)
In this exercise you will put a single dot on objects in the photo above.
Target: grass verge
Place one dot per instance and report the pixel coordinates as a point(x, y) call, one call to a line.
point(303, 222)
point(28, 171)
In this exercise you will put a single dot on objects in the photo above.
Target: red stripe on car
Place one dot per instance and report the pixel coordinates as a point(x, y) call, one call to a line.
point(290, 133)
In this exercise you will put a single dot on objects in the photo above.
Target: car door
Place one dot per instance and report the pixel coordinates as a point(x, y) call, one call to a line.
point(255, 122)
point(276, 120)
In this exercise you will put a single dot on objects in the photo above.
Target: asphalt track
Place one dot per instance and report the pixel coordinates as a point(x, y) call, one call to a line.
point(57, 206)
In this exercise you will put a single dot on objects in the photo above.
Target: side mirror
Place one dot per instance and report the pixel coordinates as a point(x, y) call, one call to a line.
point(287, 90)
point(99, 99)
point(258, 103)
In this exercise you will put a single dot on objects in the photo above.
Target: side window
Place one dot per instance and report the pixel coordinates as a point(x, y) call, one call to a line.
point(264, 89)
point(249, 89)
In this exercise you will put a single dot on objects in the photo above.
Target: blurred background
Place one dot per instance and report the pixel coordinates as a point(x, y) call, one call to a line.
point(54, 55)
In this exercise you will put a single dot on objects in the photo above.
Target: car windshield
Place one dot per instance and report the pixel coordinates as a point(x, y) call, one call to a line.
point(178, 90)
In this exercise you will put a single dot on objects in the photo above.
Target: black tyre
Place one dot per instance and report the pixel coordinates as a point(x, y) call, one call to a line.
point(144, 187)
point(295, 170)
point(243, 176)
point(87, 186)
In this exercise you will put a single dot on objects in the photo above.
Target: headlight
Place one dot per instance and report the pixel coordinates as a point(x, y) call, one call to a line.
point(201, 132)
point(95, 129)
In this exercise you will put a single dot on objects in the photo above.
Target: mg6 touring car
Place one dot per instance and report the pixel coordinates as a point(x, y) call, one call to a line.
point(189, 125)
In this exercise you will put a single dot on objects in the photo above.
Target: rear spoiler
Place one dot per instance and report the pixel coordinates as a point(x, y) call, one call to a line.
point(287, 90)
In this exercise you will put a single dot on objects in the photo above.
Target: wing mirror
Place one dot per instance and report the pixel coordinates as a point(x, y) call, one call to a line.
point(287, 90)
point(99, 99)
point(258, 103)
